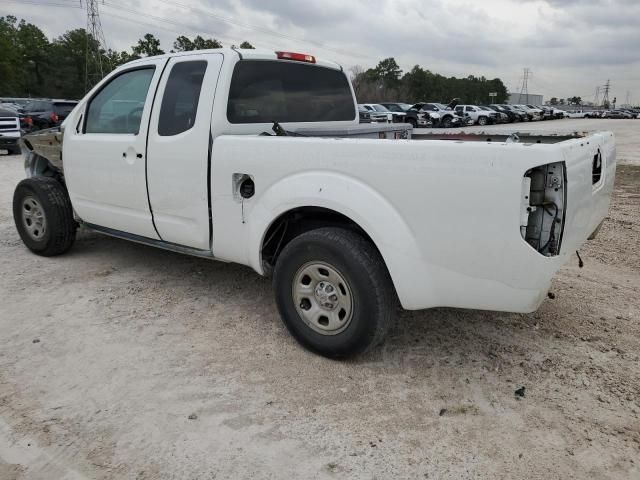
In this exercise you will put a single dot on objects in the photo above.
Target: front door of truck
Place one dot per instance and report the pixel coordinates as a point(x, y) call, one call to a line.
point(178, 152)
point(104, 152)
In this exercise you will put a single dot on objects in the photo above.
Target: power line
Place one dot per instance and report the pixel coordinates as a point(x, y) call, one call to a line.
point(605, 95)
point(525, 85)
point(95, 43)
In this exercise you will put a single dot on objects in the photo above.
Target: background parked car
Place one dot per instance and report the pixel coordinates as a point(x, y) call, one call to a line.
point(533, 114)
point(510, 114)
point(417, 117)
point(365, 116)
point(477, 115)
point(9, 132)
point(585, 114)
point(47, 113)
point(618, 114)
point(501, 116)
point(518, 114)
point(396, 106)
point(381, 113)
point(442, 115)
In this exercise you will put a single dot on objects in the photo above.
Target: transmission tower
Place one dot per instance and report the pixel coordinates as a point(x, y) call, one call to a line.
point(525, 85)
point(596, 97)
point(605, 94)
point(93, 71)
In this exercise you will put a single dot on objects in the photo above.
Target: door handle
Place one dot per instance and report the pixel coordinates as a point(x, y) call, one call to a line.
point(139, 155)
point(124, 155)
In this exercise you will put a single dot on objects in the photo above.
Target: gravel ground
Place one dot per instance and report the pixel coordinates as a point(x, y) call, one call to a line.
point(123, 361)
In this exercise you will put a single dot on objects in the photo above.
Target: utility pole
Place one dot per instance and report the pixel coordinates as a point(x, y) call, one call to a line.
point(93, 71)
point(605, 95)
point(525, 85)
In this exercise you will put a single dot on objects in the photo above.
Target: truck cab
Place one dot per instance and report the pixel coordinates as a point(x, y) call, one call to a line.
point(127, 157)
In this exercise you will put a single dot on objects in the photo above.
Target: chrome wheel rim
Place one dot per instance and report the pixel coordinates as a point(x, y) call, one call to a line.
point(33, 218)
point(322, 298)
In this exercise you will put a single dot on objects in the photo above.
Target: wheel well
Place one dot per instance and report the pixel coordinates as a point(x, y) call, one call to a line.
point(297, 221)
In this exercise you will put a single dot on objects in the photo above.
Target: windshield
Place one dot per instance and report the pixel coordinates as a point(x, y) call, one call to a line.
point(440, 106)
point(379, 108)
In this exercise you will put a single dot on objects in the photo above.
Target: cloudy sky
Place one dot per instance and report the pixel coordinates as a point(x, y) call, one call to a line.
point(571, 46)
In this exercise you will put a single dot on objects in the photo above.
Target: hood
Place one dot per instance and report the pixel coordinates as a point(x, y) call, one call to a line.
point(453, 103)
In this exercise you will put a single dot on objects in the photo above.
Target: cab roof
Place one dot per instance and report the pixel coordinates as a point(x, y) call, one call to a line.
point(247, 54)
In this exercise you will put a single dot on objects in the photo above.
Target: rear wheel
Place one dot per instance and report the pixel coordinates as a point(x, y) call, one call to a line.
point(333, 292)
point(43, 216)
point(446, 122)
point(482, 121)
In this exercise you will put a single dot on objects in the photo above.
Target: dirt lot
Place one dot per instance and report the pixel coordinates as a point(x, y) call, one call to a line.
point(122, 361)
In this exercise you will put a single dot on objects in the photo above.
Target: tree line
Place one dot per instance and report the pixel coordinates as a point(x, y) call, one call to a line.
point(31, 65)
point(386, 82)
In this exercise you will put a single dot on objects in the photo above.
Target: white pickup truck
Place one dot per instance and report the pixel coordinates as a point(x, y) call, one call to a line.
point(169, 151)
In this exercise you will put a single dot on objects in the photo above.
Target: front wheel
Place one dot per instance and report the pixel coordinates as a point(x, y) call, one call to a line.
point(43, 216)
point(333, 292)
point(446, 122)
point(482, 121)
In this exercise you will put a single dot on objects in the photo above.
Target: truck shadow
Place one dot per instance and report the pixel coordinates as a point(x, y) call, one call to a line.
point(418, 339)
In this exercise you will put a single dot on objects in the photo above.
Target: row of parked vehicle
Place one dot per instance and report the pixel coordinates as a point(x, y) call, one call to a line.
point(425, 114)
point(24, 115)
point(618, 113)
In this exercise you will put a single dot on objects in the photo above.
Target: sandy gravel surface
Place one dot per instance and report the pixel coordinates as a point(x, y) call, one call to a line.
point(123, 361)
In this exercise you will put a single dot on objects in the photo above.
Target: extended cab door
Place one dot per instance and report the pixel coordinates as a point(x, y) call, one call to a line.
point(104, 151)
point(178, 154)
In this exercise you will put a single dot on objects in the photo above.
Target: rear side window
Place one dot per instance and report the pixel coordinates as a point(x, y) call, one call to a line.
point(266, 91)
point(181, 96)
point(117, 108)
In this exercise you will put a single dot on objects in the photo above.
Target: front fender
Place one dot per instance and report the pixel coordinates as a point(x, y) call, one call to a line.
point(352, 198)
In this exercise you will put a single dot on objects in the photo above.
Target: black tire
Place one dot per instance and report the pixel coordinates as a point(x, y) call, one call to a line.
point(446, 121)
point(482, 121)
point(371, 292)
point(51, 199)
point(413, 122)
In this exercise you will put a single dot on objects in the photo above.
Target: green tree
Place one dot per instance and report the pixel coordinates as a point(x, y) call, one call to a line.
point(553, 101)
point(147, 46)
point(247, 45)
point(387, 71)
point(184, 44)
point(10, 64)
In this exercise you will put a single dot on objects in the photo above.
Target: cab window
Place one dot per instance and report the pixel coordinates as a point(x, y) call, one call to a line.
point(181, 97)
point(118, 106)
point(264, 91)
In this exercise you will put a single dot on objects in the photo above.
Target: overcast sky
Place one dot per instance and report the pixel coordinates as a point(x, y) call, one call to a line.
point(571, 46)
